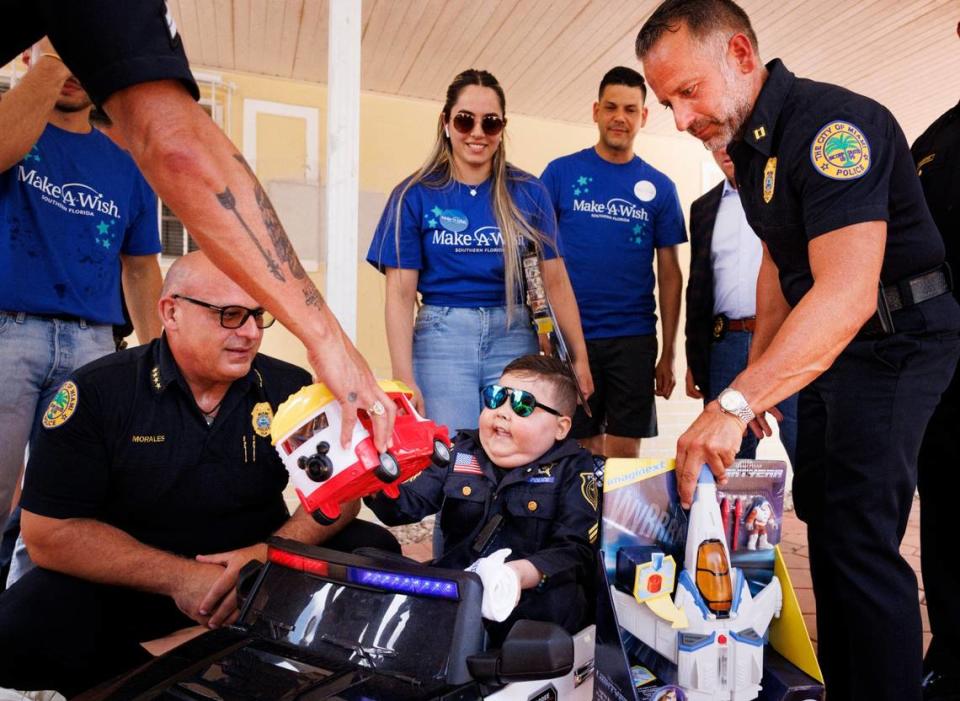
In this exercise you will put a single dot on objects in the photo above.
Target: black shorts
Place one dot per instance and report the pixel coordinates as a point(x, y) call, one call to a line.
point(109, 45)
point(623, 377)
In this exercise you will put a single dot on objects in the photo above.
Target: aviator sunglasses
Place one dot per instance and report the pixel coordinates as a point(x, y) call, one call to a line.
point(491, 124)
point(522, 402)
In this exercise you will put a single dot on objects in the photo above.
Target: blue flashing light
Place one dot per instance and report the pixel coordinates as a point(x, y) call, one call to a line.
point(404, 583)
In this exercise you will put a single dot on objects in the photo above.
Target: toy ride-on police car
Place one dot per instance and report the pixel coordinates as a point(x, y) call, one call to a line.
point(306, 434)
point(319, 624)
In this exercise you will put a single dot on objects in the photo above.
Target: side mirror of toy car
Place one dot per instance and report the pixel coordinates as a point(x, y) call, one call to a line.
point(532, 650)
point(246, 579)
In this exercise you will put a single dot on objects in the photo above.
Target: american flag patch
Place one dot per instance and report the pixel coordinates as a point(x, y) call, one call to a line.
point(467, 463)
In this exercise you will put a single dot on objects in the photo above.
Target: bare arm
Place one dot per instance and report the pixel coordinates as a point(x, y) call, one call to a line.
point(559, 291)
point(142, 281)
point(98, 552)
point(846, 270)
point(669, 286)
point(401, 299)
point(772, 306)
point(199, 173)
point(25, 109)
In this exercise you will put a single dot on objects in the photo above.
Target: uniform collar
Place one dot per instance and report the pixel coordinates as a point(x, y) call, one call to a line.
point(559, 450)
point(759, 129)
point(165, 370)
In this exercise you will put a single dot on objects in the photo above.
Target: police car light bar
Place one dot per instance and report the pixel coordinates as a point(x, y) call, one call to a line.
point(298, 562)
point(404, 583)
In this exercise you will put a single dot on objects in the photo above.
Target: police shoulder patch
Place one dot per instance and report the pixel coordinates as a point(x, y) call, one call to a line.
point(588, 488)
point(840, 151)
point(62, 406)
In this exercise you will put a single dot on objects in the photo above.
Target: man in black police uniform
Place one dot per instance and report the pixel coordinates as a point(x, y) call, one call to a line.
point(827, 183)
point(937, 155)
point(129, 58)
point(151, 485)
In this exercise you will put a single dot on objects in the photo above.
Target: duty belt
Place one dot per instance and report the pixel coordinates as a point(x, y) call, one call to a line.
point(906, 293)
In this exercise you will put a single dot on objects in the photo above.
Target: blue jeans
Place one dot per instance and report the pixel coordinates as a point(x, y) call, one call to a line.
point(37, 355)
point(457, 351)
point(728, 358)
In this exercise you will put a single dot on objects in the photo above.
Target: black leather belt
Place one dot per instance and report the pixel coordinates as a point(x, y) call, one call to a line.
point(906, 293)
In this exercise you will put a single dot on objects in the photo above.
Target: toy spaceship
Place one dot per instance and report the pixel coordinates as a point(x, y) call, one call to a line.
point(714, 629)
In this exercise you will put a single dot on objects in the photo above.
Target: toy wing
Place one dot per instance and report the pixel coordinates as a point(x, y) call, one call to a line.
point(756, 613)
point(644, 624)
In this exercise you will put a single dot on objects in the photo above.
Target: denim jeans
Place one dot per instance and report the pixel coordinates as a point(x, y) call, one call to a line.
point(728, 358)
point(457, 351)
point(37, 355)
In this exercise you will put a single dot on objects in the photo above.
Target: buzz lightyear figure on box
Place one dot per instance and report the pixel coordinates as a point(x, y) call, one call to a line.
point(759, 521)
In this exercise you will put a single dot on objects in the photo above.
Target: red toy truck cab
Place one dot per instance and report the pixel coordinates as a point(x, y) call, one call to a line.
point(306, 434)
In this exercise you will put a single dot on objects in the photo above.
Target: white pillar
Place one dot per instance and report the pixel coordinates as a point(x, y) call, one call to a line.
point(343, 161)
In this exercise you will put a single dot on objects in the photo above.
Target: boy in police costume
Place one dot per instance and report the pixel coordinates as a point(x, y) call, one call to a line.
point(516, 488)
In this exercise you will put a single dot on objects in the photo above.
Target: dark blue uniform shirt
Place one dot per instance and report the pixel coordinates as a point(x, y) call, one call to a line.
point(549, 507)
point(815, 158)
point(125, 443)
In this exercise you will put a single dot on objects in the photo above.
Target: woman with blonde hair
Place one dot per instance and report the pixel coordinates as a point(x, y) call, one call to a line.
point(455, 231)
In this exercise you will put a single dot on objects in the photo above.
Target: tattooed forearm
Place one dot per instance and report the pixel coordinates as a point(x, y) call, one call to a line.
point(229, 202)
point(281, 244)
point(312, 297)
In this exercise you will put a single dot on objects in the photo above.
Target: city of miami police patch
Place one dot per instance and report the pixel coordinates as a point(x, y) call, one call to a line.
point(840, 151)
point(62, 406)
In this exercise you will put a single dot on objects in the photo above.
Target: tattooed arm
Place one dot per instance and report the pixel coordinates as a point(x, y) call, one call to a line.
point(198, 173)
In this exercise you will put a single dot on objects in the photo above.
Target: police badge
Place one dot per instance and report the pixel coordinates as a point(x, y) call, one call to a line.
point(261, 417)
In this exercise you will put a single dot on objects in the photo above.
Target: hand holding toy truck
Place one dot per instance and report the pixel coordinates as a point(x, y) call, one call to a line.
point(306, 433)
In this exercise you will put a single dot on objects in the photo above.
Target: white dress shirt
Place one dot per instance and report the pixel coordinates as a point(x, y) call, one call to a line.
point(735, 254)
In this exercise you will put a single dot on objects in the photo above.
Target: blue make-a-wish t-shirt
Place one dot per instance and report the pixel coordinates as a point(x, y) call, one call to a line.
point(611, 218)
point(451, 236)
point(67, 211)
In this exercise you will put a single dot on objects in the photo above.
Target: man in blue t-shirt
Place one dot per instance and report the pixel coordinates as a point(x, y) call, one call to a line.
point(73, 208)
point(614, 211)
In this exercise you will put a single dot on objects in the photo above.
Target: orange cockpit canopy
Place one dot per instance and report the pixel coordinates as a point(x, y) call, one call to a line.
point(713, 577)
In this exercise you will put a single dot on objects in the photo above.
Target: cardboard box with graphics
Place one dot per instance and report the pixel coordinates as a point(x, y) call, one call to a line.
point(697, 610)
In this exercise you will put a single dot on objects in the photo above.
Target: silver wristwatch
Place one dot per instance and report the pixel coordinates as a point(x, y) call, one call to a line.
point(732, 402)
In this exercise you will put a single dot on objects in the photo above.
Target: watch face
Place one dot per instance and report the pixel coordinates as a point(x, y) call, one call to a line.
point(730, 401)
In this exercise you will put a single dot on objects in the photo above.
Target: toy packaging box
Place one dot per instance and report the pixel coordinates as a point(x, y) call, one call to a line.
point(640, 570)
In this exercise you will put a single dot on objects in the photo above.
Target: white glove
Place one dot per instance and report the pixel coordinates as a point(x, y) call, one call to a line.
point(501, 585)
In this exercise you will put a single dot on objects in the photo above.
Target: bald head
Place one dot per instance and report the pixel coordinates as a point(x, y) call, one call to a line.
point(193, 291)
point(189, 270)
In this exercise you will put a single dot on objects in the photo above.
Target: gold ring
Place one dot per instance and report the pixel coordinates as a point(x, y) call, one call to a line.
point(377, 409)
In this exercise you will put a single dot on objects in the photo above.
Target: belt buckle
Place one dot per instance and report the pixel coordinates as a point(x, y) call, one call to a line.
point(720, 323)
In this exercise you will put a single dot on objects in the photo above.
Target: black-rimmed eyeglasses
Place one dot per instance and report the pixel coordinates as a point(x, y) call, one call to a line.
point(234, 316)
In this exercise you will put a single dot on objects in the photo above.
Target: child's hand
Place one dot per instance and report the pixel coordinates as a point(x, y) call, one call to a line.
point(501, 585)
